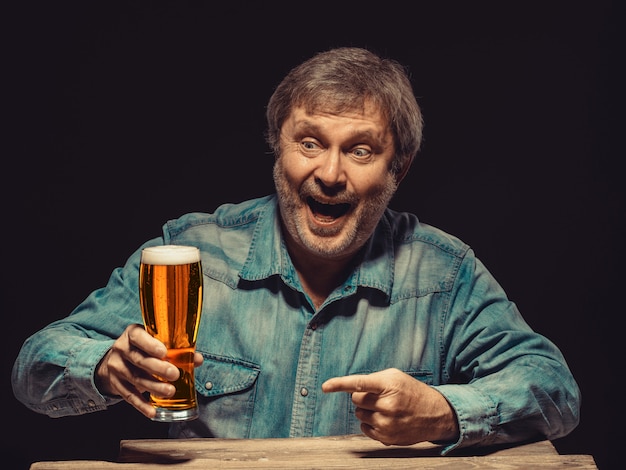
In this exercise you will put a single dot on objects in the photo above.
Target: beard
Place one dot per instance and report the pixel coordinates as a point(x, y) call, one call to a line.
point(338, 240)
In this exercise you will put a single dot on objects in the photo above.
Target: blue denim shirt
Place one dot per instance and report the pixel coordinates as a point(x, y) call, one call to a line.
point(419, 301)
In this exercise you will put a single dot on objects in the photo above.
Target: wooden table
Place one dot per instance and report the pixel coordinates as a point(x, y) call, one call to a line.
point(355, 451)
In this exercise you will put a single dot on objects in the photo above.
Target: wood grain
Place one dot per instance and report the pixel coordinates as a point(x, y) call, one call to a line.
point(354, 451)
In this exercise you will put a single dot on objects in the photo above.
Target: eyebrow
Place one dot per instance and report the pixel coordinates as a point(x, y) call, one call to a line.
point(310, 127)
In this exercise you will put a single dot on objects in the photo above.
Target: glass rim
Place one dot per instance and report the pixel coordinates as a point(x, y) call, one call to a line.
point(170, 254)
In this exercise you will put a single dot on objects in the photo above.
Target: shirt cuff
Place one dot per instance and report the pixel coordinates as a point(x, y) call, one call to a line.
point(476, 413)
point(81, 369)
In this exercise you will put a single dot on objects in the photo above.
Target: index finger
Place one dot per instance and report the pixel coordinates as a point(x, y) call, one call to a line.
point(140, 338)
point(352, 384)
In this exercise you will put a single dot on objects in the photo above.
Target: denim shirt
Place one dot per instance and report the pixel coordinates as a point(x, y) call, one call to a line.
point(419, 301)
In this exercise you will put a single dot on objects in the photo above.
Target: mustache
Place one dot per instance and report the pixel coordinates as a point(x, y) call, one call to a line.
point(310, 189)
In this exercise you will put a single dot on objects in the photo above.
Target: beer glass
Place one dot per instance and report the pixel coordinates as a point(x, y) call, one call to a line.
point(170, 290)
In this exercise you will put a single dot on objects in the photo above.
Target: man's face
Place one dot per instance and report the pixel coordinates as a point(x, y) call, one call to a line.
point(333, 180)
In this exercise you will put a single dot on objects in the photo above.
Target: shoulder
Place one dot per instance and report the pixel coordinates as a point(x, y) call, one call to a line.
point(426, 258)
point(224, 236)
point(407, 230)
point(226, 216)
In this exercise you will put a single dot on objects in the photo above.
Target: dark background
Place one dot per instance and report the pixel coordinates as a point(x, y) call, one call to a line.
point(121, 115)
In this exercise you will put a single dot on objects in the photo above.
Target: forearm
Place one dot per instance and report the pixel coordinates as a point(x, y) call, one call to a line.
point(505, 382)
point(536, 399)
point(54, 373)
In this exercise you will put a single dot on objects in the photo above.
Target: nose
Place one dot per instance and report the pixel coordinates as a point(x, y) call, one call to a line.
point(330, 171)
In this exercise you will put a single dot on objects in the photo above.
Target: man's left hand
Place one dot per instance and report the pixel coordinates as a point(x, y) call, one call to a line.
point(396, 409)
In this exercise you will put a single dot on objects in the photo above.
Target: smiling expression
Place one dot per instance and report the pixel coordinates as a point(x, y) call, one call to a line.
point(333, 179)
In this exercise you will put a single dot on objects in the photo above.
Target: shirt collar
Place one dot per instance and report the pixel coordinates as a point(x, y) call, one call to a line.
point(268, 256)
point(264, 255)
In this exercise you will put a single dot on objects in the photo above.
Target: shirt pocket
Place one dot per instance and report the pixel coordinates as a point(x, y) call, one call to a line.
point(226, 392)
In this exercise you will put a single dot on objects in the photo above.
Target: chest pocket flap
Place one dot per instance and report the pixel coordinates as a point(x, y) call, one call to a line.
point(223, 375)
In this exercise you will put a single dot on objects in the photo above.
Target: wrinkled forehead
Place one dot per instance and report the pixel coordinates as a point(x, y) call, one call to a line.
point(339, 104)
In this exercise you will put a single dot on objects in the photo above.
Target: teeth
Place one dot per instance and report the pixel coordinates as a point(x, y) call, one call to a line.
point(323, 218)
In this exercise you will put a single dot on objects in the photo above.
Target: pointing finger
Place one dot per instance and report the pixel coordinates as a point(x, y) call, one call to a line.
point(352, 384)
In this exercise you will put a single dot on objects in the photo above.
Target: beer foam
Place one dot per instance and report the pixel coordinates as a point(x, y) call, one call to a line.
point(170, 254)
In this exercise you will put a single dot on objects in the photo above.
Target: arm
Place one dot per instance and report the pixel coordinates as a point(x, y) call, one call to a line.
point(94, 357)
point(501, 382)
point(505, 382)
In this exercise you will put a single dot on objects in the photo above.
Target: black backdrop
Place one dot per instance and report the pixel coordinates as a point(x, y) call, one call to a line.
point(121, 115)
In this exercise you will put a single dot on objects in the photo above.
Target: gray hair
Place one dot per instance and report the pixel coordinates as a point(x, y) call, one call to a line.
point(345, 79)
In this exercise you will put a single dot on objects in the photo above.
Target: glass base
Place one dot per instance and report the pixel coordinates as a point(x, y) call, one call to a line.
point(168, 416)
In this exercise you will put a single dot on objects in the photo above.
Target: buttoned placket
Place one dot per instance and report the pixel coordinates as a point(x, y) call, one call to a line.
point(305, 386)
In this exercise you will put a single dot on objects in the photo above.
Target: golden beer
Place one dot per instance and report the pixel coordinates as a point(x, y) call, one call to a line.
point(170, 289)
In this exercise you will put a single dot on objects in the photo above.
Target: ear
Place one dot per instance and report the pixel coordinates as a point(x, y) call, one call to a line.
point(405, 169)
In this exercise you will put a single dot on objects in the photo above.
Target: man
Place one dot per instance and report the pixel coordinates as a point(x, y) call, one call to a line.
point(325, 312)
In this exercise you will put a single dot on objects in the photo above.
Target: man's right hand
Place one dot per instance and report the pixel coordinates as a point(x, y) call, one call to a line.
point(130, 366)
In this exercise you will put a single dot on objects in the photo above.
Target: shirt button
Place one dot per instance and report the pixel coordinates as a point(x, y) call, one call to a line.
point(91, 403)
point(304, 392)
point(208, 385)
point(313, 326)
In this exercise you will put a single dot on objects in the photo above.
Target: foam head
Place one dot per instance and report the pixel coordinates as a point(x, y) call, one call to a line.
point(170, 255)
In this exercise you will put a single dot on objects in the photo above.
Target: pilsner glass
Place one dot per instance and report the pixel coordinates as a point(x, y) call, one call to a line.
point(170, 289)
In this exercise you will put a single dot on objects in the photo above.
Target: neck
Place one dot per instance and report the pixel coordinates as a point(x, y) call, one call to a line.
point(320, 279)
point(318, 276)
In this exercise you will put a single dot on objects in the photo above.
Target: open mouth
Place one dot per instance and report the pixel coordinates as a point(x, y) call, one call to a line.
point(327, 212)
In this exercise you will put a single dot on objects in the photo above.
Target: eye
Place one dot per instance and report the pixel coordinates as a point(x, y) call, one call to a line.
point(310, 146)
point(361, 153)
